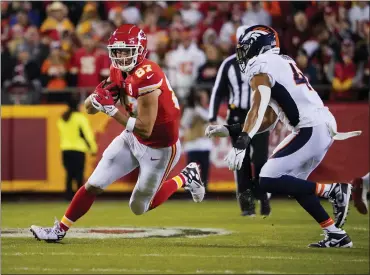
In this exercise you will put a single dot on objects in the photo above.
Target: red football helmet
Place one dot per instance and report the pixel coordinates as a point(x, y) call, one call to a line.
point(127, 47)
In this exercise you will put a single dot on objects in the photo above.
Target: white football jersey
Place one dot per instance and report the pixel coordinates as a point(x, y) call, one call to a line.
point(298, 103)
point(184, 65)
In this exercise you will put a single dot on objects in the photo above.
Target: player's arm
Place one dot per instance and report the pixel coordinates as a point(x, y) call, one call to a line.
point(269, 121)
point(89, 107)
point(261, 88)
point(146, 115)
point(260, 118)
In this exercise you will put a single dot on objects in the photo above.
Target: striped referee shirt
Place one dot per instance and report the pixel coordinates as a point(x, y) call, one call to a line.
point(232, 84)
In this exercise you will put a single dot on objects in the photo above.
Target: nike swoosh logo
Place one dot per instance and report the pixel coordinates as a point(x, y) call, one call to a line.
point(333, 244)
point(252, 63)
point(154, 159)
point(239, 153)
point(149, 77)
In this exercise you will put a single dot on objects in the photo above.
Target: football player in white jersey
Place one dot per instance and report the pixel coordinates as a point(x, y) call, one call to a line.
point(282, 92)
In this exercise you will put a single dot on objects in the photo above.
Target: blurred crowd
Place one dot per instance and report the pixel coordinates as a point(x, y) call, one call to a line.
point(55, 45)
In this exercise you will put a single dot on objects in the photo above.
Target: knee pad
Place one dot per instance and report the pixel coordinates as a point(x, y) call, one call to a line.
point(137, 207)
point(139, 202)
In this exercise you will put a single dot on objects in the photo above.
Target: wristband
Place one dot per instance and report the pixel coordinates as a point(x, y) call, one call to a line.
point(243, 141)
point(130, 124)
point(234, 129)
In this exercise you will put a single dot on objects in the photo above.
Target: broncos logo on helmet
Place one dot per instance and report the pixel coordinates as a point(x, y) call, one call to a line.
point(254, 41)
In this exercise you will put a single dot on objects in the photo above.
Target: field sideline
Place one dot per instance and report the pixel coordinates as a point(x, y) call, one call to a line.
point(277, 244)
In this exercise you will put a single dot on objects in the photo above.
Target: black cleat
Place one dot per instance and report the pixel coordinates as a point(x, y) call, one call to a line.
point(248, 213)
point(247, 203)
point(334, 239)
point(265, 206)
point(339, 197)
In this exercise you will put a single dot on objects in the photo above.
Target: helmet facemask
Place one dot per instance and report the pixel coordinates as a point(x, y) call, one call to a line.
point(242, 56)
point(124, 57)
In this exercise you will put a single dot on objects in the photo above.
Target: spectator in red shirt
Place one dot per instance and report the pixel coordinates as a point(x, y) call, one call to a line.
point(345, 74)
point(296, 35)
point(210, 21)
point(89, 64)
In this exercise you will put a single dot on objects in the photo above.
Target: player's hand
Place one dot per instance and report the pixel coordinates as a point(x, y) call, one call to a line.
point(236, 155)
point(216, 131)
point(109, 88)
point(103, 102)
point(234, 158)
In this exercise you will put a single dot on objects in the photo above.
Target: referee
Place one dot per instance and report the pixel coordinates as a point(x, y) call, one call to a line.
point(232, 84)
point(76, 139)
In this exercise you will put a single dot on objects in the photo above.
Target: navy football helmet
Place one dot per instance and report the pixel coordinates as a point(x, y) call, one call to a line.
point(256, 40)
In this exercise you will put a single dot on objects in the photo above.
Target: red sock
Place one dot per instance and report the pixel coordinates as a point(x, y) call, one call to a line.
point(166, 190)
point(78, 207)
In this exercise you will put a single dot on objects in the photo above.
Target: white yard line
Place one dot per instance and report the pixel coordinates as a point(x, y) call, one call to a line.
point(124, 232)
point(359, 228)
point(198, 271)
point(21, 254)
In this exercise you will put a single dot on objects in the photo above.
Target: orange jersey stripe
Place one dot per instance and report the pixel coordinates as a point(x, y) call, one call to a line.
point(168, 169)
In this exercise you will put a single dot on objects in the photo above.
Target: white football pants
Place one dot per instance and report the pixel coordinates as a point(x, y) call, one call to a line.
point(123, 155)
point(299, 153)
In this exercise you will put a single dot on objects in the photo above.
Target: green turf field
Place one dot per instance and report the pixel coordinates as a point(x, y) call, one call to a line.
point(277, 244)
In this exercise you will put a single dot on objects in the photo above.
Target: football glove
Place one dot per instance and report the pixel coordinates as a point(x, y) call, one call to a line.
point(216, 131)
point(235, 157)
point(223, 130)
point(111, 88)
point(103, 101)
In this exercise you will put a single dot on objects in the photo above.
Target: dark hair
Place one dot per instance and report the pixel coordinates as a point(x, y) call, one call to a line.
point(72, 102)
